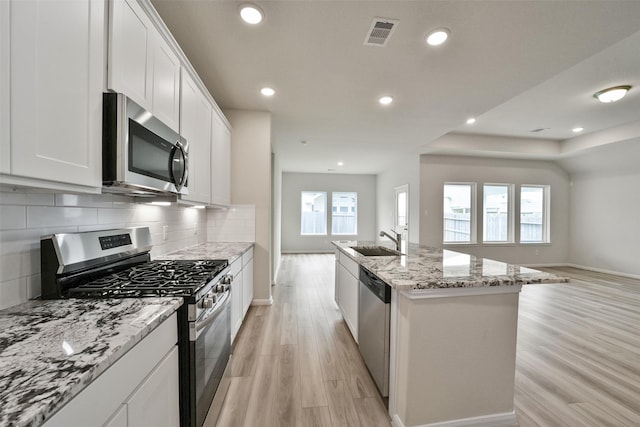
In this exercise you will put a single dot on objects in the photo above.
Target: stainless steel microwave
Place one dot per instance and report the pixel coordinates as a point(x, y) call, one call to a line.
point(140, 154)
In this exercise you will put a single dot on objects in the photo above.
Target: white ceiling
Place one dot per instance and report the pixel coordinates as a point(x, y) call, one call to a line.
point(515, 65)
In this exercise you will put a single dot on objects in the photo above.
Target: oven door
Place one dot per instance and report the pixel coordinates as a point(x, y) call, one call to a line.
point(211, 340)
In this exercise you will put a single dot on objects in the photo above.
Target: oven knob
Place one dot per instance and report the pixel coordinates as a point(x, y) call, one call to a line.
point(208, 302)
point(227, 279)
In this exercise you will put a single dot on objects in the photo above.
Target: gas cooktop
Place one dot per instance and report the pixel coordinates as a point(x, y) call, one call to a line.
point(158, 278)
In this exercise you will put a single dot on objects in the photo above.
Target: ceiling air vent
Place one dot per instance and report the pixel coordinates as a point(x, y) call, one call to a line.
point(380, 31)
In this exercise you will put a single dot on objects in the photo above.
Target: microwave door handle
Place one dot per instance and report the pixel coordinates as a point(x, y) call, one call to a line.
point(178, 183)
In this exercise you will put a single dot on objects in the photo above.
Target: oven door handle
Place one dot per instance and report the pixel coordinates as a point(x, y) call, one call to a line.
point(196, 328)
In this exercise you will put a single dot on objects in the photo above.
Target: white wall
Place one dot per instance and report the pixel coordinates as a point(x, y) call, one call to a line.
point(406, 171)
point(294, 183)
point(251, 185)
point(605, 223)
point(24, 217)
point(276, 245)
point(436, 170)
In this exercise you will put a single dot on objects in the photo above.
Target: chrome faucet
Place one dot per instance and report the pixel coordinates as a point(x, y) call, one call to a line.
point(397, 240)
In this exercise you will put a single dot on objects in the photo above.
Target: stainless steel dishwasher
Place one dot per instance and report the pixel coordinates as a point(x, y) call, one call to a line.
point(373, 327)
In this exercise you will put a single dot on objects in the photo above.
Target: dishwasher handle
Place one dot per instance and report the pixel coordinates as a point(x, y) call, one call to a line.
point(376, 285)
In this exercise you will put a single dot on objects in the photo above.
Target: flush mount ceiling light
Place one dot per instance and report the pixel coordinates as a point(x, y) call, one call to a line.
point(340, 163)
point(577, 129)
point(385, 100)
point(251, 14)
point(612, 94)
point(437, 36)
point(267, 91)
point(471, 120)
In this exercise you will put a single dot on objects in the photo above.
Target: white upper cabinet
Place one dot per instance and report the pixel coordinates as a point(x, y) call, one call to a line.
point(142, 64)
point(195, 126)
point(220, 163)
point(55, 78)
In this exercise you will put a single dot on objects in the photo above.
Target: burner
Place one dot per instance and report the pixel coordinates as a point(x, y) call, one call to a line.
point(154, 278)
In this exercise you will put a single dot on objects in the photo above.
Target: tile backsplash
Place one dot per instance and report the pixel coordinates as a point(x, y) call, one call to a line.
point(25, 216)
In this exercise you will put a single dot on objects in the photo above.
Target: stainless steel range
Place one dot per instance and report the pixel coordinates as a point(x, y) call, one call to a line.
point(117, 264)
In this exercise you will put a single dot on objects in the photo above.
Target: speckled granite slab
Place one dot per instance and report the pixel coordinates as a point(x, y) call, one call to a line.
point(425, 267)
point(51, 350)
point(210, 250)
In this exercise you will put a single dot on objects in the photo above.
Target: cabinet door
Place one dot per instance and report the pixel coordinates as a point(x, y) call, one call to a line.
point(348, 296)
point(130, 57)
point(155, 402)
point(195, 126)
point(165, 82)
point(236, 298)
point(57, 77)
point(247, 286)
point(220, 163)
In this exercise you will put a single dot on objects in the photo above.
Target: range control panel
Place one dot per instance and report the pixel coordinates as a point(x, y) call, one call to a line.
point(115, 241)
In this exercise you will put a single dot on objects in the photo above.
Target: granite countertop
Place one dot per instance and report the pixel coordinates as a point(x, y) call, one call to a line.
point(424, 268)
point(209, 250)
point(51, 350)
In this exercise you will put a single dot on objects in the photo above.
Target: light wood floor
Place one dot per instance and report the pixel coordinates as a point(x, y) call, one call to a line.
point(578, 358)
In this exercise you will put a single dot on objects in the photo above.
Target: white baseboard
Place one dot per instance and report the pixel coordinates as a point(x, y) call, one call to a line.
point(262, 301)
point(601, 270)
point(507, 419)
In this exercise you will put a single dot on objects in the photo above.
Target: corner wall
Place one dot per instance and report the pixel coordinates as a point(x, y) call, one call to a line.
point(251, 185)
point(605, 222)
point(406, 171)
point(436, 170)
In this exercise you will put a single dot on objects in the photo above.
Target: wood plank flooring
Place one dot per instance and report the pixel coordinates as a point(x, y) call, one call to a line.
point(578, 354)
point(296, 364)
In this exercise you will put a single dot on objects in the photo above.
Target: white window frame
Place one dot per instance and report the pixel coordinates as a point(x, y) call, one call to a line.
point(473, 223)
point(326, 206)
point(355, 233)
point(546, 214)
point(510, 214)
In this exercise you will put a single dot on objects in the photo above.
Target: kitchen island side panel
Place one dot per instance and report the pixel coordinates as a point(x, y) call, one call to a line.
point(455, 357)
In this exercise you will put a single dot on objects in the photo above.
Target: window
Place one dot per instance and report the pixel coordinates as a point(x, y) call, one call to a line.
point(458, 215)
point(533, 214)
point(313, 216)
point(344, 215)
point(402, 209)
point(496, 213)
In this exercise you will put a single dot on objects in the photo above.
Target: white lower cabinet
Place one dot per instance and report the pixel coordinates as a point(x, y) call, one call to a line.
point(347, 291)
point(241, 290)
point(247, 280)
point(236, 297)
point(154, 402)
point(140, 389)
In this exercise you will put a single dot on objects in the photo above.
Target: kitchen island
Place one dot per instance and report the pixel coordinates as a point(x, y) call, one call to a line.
point(51, 351)
point(452, 334)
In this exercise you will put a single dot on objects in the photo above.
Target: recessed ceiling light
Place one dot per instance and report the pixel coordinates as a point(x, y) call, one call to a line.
point(267, 91)
point(471, 120)
point(612, 94)
point(385, 100)
point(251, 14)
point(577, 129)
point(437, 36)
point(340, 163)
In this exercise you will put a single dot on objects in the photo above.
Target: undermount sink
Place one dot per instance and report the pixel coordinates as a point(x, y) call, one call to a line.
point(375, 251)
